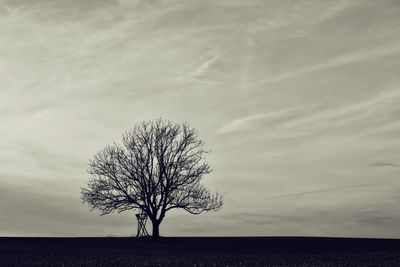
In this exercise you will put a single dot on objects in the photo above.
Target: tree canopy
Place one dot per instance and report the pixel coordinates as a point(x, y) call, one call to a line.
point(157, 168)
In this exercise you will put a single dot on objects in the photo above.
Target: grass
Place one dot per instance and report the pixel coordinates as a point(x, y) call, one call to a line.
point(201, 251)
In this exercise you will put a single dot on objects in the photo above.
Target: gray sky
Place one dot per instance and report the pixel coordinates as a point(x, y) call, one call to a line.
point(298, 100)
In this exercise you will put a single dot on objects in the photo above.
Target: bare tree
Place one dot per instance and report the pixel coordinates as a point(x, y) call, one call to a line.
point(157, 168)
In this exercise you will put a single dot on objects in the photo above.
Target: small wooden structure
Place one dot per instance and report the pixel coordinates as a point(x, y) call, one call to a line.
point(142, 219)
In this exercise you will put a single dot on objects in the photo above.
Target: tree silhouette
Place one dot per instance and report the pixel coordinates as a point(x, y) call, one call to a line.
point(157, 168)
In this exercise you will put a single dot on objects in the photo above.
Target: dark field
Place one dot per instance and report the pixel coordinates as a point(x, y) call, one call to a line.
point(230, 251)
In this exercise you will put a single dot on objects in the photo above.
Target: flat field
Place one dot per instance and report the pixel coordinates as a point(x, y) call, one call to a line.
point(199, 251)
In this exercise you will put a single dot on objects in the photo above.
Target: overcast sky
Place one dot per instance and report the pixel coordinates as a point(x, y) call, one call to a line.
point(299, 102)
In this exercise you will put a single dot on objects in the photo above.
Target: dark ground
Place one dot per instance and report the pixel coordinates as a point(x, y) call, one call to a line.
point(200, 251)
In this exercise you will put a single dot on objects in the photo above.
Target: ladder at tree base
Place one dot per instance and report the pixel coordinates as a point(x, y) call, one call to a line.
point(142, 219)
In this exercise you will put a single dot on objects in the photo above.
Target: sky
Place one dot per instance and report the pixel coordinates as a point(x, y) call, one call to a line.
point(299, 102)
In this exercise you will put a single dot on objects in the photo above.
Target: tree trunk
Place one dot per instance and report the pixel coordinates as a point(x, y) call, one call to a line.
point(156, 229)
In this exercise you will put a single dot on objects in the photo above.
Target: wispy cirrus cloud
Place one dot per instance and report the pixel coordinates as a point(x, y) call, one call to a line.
point(246, 122)
point(200, 70)
point(349, 112)
point(385, 164)
point(324, 190)
point(359, 56)
point(313, 118)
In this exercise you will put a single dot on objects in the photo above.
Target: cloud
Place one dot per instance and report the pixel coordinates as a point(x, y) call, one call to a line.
point(312, 119)
point(359, 56)
point(374, 217)
point(323, 190)
point(247, 122)
point(349, 112)
point(29, 213)
point(320, 14)
point(200, 70)
point(385, 164)
point(205, 66)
